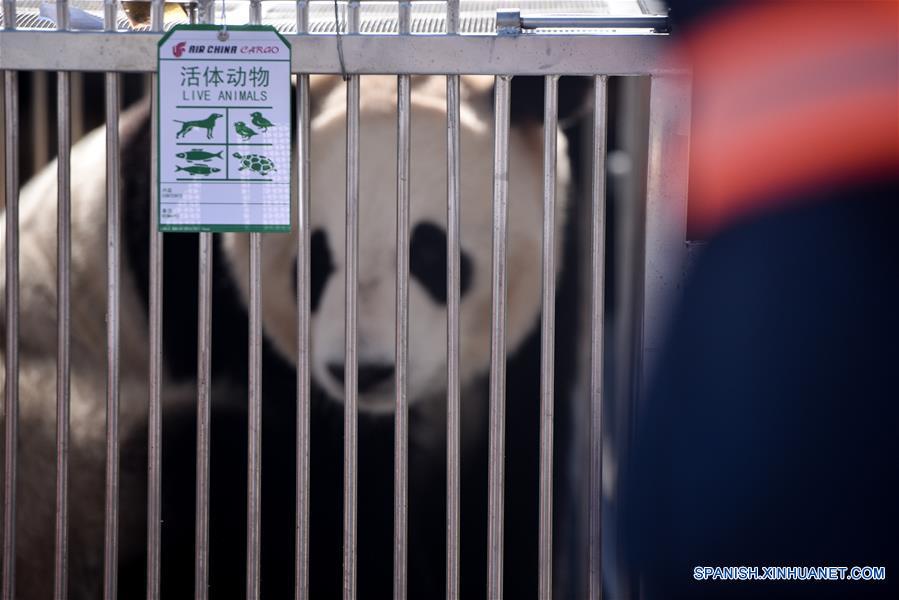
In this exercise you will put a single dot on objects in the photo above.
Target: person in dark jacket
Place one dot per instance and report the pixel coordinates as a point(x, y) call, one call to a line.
point(769, 435)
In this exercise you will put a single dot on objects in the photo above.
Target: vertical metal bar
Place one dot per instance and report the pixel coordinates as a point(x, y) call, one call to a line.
point(205, 12)
point(401, 434)
point(40, 130)
point(627, 189)
point(154, 426)
point(548, 337)
point(452, 16)
point(2, 150)
point(502, 96)
point(350, 424)
point(113, 244)
point(453, 406)
point(254, 451)
point(204, 365)
point(255, 12)
point(666, 207)
point(63, 264)
point(204, 376)
point(12, 333)
point(11, 396)
point(665, 242)
point(303, 308)
point(594, 583)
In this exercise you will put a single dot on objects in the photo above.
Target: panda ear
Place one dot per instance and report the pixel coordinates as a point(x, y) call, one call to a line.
point(527, 96)
point(528, 93)
point(320, 86)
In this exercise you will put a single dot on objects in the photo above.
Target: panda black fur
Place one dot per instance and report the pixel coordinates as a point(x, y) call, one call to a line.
point(427, 457)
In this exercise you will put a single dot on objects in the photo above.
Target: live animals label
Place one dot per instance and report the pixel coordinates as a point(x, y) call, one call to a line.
point(224, 129)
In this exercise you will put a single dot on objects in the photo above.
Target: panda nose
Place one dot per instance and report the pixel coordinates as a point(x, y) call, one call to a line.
point(370, 375)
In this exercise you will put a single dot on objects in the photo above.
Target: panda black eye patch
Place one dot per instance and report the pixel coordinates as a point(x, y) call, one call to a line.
point(427, 261)
point(321, 266)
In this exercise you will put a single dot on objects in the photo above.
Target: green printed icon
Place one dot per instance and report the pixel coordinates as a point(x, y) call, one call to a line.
point(198, 169)
point(243, 131)
point(255, 162)
point(208, 124)
point(260, 121)
point(198, 154)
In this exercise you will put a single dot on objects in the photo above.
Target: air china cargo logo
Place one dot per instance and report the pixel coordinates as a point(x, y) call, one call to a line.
point(181, 48)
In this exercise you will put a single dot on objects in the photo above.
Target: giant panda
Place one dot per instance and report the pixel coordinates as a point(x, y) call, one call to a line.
point(427, 366)
point(376, 338)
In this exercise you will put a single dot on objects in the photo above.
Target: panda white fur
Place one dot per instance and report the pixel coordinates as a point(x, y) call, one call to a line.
point(37, 261)
point(376, 342)
point(36, 459)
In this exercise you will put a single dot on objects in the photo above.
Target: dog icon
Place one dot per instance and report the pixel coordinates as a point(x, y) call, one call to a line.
point(208, 124)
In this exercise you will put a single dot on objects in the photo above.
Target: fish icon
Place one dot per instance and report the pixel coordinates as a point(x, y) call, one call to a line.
point(198, 169)
point(198, 154)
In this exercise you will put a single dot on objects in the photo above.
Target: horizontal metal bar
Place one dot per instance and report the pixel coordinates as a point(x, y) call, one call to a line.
point(549, 54)
point(588, 22)
point(508, 21)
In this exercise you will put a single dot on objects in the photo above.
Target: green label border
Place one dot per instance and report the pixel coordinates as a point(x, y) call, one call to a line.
point(188, 228)
point(214, 27)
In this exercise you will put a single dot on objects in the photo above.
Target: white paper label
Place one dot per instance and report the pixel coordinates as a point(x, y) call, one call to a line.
point(224, 130)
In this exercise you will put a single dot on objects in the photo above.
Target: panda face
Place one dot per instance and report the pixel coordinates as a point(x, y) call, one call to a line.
point(376, 278)
point(427, 272)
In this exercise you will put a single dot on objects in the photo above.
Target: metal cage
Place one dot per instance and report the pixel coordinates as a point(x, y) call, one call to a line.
point(621, 39)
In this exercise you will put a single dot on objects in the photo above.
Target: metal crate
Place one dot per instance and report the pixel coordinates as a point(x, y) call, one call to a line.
point(596, 38)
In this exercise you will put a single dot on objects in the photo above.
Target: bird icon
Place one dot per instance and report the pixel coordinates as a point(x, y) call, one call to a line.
point(260, 121)
point(243, 131)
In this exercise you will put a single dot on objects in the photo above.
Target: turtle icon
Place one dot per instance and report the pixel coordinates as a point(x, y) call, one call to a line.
point(255, 162)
